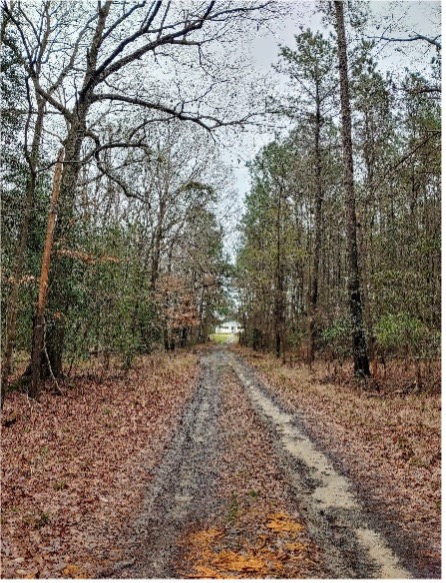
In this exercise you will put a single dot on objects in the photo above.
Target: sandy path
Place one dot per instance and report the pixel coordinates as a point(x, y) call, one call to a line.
point(243, 492)
point(334, 515)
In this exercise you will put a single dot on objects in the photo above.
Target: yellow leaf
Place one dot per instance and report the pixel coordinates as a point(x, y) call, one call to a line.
point(203, 572)
point(74, 572)
point(282, 522)
point(296, 546)
point(231, 561)
point(204, 537)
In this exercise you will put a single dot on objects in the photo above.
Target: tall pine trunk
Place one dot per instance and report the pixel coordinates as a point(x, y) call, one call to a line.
point(314, 285)
point(279, 291)
point(361, 361)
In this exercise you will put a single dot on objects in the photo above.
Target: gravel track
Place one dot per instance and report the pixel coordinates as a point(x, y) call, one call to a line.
point(189, 490)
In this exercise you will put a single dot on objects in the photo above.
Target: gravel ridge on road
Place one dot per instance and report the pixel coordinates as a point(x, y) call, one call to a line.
point(334, 515)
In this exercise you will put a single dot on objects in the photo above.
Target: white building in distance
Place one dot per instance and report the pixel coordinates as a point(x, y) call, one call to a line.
point(228, 328)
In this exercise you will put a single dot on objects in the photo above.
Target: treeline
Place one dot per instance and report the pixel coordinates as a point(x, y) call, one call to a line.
point(129, 255)
point(133, 274)
point(293, 262)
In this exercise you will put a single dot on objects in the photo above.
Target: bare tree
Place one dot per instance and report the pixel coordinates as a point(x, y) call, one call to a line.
point(118, 36)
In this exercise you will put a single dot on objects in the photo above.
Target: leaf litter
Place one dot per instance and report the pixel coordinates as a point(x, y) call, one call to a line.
point(74, 467)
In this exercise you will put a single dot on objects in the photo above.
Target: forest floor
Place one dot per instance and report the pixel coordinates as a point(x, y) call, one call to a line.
point(187, 469)
point(75, 468)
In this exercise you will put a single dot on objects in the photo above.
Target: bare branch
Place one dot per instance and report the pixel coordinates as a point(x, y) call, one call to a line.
point(416, 37)
point(97, 75)
point(121, 20)
point(158, 107)
point(70, 65)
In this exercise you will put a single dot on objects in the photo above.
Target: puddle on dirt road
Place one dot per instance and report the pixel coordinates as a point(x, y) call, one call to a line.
point(329, 494)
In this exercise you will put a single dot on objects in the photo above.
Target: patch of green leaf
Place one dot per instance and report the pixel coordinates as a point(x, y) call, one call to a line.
point(42, 519)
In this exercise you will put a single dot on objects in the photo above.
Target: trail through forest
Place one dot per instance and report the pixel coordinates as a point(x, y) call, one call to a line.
point(243, 492)
point(175, 171)
point(219, 463)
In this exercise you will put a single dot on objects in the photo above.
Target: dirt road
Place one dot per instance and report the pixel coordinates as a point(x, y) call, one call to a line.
point(243, 492)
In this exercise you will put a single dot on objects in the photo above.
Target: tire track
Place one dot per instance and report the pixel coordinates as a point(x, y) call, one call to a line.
point(182, 487)
point(184, 492)
point(334, 514)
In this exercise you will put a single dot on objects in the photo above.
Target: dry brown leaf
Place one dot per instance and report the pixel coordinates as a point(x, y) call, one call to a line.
point(282, 522)
point(74, 572)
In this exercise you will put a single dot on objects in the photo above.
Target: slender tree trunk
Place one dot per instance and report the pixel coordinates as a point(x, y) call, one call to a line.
point(39, 320)
point(366, 238)
point(11, 323)
point(156, 252)
point(361, 361)
point(314, 286)
point(61, 296)
point(278, 300)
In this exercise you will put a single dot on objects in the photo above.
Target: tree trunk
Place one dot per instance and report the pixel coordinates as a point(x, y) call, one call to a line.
point(39, 322)
point(314, 286)
point(61, 296)
point(18, 272)
point(361, 361)
point(278, 299)
point(156, 252)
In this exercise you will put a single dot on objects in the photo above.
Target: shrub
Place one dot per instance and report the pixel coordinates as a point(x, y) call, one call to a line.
point(336, 338)
point(402, 334)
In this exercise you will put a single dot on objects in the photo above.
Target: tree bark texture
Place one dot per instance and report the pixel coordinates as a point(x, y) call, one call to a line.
point(361, 361)
point(39, 322)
